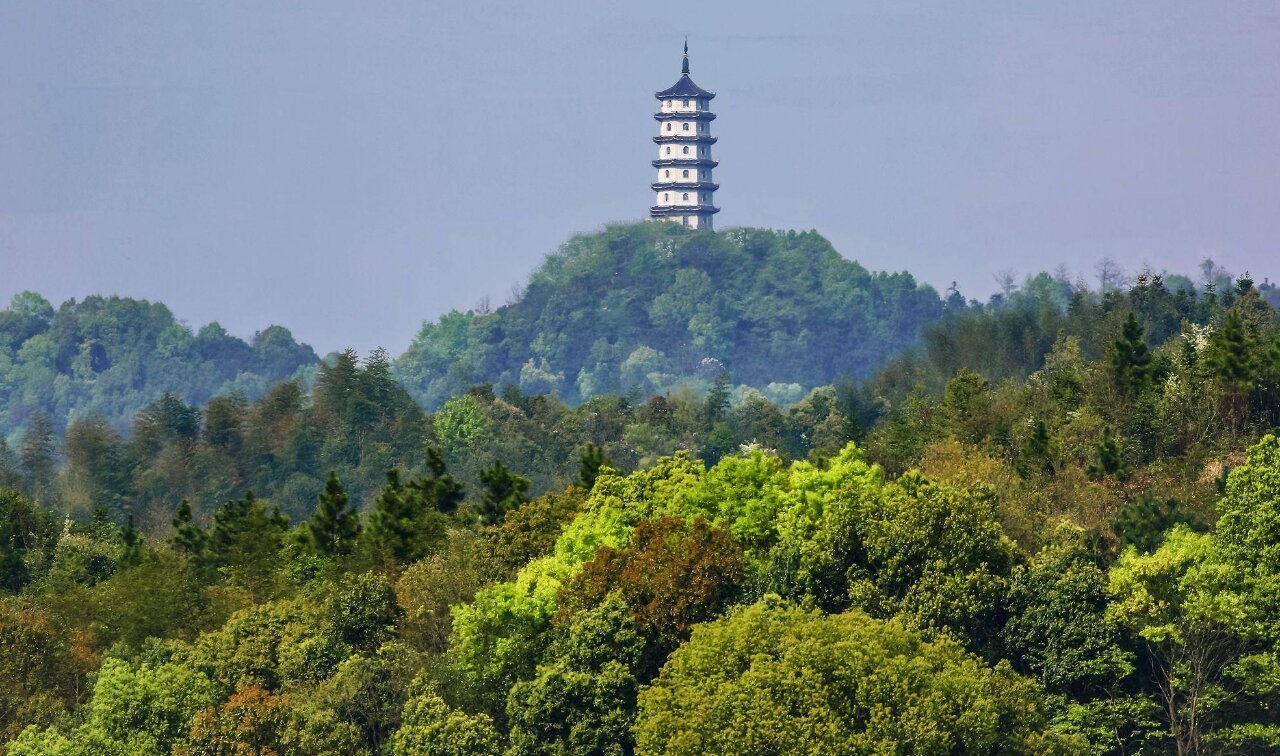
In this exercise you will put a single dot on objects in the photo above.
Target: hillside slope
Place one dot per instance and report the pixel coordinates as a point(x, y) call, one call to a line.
point(646, 307)
point(113, 355)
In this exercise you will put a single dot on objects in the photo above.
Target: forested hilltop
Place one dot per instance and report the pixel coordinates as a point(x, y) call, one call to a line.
point(644, 308)
point(1051, 528)
point(111, 356)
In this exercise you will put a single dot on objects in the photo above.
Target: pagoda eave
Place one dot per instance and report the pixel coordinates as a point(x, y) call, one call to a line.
point(662, 211)
point(691, 115)
point(690, 139)
point(685, 162)
point(672, 186)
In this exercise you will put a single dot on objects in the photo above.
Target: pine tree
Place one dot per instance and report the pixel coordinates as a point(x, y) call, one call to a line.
point(333, 528)
point(503, 492)
point(589, 463)
point(1110, 461)
point(1131, 359)
point(133, 549)
point(718, 398)
point(439, 492)
point(188, 537)
point(38, 452)
point(393, 527)
point(1231, 360)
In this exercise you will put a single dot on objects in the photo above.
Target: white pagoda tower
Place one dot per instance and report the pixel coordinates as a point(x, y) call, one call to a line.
point(685, 192)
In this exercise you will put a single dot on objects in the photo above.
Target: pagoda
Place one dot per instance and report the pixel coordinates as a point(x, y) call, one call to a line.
point(685, 192)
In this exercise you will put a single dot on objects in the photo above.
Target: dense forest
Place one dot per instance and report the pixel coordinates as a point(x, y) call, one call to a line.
point(1050, 526)
point(647, 308)
point(111, 356)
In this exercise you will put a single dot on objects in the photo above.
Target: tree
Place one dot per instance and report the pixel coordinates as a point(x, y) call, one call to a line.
point(333, 528)
point(589, 463)
point(1109, 461)
point(1232, 362)
point(188, 537)
point(783, 680)
point(674, 575)
point(362, 611)
point(1131, 363)
point(251, 721)
point(245, 541)
point(439, 490)
point(503, 491)
point(1057, 629)
point(431, 728)
point(41, 676)
point(38, 452)
point(404, 525)
point(582, 700)
point(1182, 603)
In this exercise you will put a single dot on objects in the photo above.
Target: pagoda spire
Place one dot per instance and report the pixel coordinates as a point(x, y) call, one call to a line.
point(684, 69)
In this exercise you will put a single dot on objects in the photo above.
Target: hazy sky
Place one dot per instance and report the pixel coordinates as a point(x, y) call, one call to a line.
point(351, 169)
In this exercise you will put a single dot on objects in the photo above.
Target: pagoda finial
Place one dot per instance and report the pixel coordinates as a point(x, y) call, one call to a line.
point(684, 69)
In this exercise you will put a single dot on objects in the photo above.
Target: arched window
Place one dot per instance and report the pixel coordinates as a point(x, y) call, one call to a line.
point(664, 196)
point(686, 195)
point(686, 103)
point(686, 174)
point(666, 174)
point(686, 126)
point(686, 149)
point(668, 127)
point(668, 149)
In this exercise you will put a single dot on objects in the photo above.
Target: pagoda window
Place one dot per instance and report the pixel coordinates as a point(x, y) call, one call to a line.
point(668, 126)
point(666, 174)
point(686, 195)
point(668, 149)
point(664, 196)
point(686, 175)
point(686, 149)
point(686, 126)
point(686, 103)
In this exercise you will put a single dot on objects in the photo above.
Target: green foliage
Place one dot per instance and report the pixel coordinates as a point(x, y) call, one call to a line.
point(431, 728)
point(114, 356)
point(332, 528)
point(776, 679)
point(1131, 359)
point(593, 458)
point(1057, 629)
point(648, 306)
point(583, 701)
point(362, 612)
point(404, 525)
point(134, 710)
point(502, 492)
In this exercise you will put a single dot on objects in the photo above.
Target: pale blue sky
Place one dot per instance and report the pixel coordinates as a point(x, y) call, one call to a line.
point(350, 169)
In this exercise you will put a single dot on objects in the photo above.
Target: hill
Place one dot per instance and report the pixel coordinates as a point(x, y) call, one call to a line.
point(112, 356)
point(650, 306)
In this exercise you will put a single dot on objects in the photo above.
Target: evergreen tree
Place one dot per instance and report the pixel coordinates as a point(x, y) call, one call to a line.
point(1109, 461)
point(503, 491)
point(188, 537)
point(333, 528)
point(404, 525)
point(245, 542)
point(1037, 454)
point(38, 453)
point(589, 463)
point(1233, 364)
point(133, 545)
point(439, 491)
point(717, 401)
point(1131, 359)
